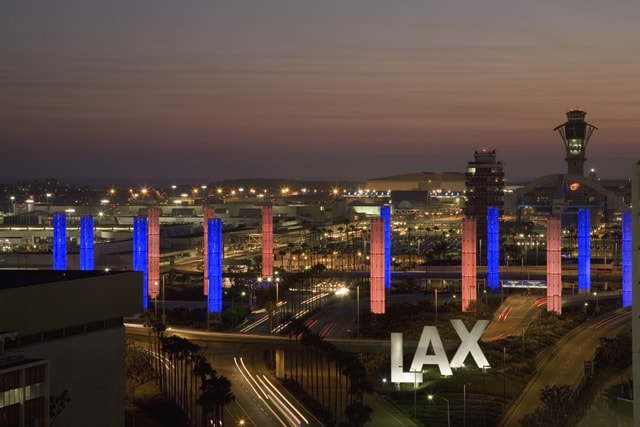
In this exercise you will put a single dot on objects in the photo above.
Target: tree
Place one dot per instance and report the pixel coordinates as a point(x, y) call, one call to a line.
point(282, 253)
point(215, 394)
point(137, 365)
point(358, 414)
point(57, 404)
point(201, 368)
point(558, 402)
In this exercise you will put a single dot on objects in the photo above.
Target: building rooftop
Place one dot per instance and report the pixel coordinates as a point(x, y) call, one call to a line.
point(18, 278)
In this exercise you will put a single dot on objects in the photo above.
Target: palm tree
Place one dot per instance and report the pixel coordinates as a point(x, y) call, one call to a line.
point(290, 247)
point(215, 394)
point(169, 349)
point(358, 414)
point(201, 369)
point(188, 352)
point(148, 322)
point(298, 330)
point(158, 328)
point(282, 253)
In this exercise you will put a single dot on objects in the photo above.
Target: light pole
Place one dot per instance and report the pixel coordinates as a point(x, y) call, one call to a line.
point(277, 299)
point(597, 306)
point(204, 195)
point(435, 292)
point(464, 404)
point(164, 314)
point(415, 388)
point(415, 393)
point(484, 394)
point(250, 294)
point(523, 331)
point(504, 373)
point(155, 302)
point(431, 396)
point(358, 311)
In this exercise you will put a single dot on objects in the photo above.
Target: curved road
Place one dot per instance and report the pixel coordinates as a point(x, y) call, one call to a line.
point(565, 363)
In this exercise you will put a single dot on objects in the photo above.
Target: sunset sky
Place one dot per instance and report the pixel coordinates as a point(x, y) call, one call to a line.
point(198, 91)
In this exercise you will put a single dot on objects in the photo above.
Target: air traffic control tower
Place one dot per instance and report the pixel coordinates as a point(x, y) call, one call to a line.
point(575, 134)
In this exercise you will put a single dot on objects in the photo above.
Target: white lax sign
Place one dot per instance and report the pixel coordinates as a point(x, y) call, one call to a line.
point(431, 337)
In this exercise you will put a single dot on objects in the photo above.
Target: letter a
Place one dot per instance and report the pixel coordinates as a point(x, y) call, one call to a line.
point(439, 357)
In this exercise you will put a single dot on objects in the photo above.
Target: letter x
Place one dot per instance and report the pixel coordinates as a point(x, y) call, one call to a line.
point(469, 343)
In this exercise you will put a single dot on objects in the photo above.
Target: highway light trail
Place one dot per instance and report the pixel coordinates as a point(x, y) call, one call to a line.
point(539, 302)
point(267, 392)
point(247, 377)
point(610, 319)
point(504, 314)
point(255, 324)
point(284, 407)
point(285, 399)
point(327, 329)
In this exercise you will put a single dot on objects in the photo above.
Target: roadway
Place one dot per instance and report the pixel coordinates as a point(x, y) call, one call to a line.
point(564, 364)
point(260, 400)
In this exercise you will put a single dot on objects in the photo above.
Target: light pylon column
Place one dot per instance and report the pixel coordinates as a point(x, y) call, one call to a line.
point(554, 266)
point(385, 216)
point(208, 213)
point(635, 279)
point(493, 248)
point(626, 249)
point(59, 241)
point(141, 256)
point(153, 215)
point(87, 260)
point(469, 282)
point(376, 272)
point(267, 243)
point(214, 265)
point(584, 250)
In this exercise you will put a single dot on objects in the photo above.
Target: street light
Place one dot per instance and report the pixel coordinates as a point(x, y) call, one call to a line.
point(155, 300)
point(415, 388)
point(431, 396)
point(484, 394)
point(595, 294)
point(415, 393)
point(204, 194)
point(464, 404)
point(358, 311)
point(164, 298)
point(435, 292)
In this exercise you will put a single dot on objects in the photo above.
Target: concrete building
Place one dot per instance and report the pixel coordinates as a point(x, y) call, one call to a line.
point(64, 337)
point(485, 188)
point(429, 181)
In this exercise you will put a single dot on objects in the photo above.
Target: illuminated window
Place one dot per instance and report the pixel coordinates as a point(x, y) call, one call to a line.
point(575, 146)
